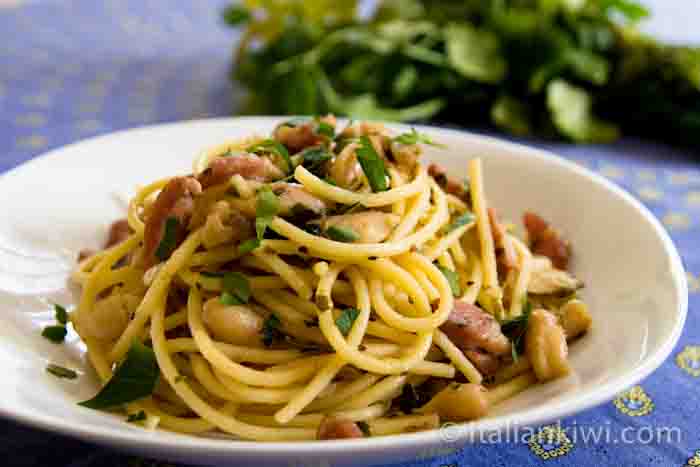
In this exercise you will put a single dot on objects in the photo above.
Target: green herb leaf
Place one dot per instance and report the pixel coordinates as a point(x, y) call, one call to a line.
point(325, 129)
point(134, 379)
point(235, 15)
point(633, 11)
point(515, 329)
point(274, 147)
point(475, 53)
point(211, 274)
point(313, 158)
point(267, 208)
point(137, 417)
point(572, 114)
point(364, 426)
point(464, 219)
point(56, 333)
point(61, 314)
point(372, 165)
point(167, 243)
point(346, 319)
point(410, 399)
point(512, 115)
point(236, 285)
point(248, 246)
point(229, 299)
point(270, 330)
point(453, 278)
point(342, 234)
point(413, 137)
point(61, 372)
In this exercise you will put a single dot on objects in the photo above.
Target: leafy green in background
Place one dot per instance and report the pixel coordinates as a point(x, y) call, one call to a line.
point(574, 69)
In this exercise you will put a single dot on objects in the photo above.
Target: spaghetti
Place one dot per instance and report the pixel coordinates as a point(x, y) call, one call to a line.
point(320, 284)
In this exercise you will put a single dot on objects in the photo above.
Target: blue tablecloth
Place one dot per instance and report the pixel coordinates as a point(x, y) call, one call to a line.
point(70, 70)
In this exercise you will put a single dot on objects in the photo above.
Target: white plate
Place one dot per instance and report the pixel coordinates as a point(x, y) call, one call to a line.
point(62, 202)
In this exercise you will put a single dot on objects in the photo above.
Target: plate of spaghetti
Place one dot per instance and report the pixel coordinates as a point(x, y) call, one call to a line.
point(316, 291)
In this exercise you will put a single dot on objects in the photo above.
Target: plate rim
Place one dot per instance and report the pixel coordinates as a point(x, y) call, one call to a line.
point(186, 445)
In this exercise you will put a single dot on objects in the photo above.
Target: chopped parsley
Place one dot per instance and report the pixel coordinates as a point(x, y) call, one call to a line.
point(56, 333)
point(313, 158)
point(61, 372)
point(372, 165)
point(364, 427)
point(342, 234)
point(167, 243)
point(235, 287)
point(453, 279)
point(137, 417)
point(464, 219)
point(325, 129)
point(248, 246)
point(267, 207)
point(515, 329)
point(270, 330)
point(61, 314)
point(273, 147)
point(346, 319)
point(413, 137)
point(134, 379)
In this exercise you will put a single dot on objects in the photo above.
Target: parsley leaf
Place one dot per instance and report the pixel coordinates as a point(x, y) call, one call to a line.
point(236, 288)
point(346, 319)
point(56, 333)
point(267, 207)
point(464, 219)
point(342, 234)
point(364, 427)
point(325, 129)
point(453, 278)
point(248, 246)
point(137, 417)
point(61, 372)
point(270, 330)
point(413, 137)
point(409, 399)
point(61, 314)
point(313, 158)
point(235, 15)
point(274, 147)
point(372, 165)
point(167, 243)
point(134, 379)
point(515, 329)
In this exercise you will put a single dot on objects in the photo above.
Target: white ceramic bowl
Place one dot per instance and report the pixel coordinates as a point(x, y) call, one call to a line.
point(63, 201)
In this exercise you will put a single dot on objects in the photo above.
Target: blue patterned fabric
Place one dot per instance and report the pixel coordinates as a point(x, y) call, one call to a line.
point(70, 70)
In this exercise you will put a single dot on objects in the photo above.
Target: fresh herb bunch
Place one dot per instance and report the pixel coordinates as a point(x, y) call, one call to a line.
point(577, 69)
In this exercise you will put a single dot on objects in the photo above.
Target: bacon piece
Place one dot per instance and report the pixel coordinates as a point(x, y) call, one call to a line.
point(451, 185)
point(546, 241)
point(486, 363)
point(471, 328)
point(338, 428)
point(248, 166)
point(118, 232)
point(174, 200)
point(505, 252)
point(302, 136)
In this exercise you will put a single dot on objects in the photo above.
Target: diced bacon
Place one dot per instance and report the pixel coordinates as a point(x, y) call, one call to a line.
point(338, 428)
point(546, 241)
point(451, 185)
point(302, 136)
point(471, 328)
point(174, 200)
point(505, 252)
point(486, 363)
point(248, 166)
point(118, 232)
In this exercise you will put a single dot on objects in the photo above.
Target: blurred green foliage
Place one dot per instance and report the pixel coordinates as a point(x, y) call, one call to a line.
point(575, 69)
